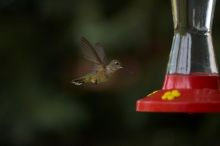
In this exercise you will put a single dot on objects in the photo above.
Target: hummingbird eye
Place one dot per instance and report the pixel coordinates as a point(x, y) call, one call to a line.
point(117, 63)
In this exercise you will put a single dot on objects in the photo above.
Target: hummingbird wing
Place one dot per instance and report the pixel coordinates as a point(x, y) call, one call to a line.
point(93, 54)
point(100, 48)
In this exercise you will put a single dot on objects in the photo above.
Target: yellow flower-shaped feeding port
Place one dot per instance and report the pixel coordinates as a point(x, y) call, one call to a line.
point(171, 95)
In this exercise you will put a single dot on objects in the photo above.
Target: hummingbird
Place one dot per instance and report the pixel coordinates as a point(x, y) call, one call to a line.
point(103, 70)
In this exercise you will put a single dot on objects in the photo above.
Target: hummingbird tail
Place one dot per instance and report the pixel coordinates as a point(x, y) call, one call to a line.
point(78, 82)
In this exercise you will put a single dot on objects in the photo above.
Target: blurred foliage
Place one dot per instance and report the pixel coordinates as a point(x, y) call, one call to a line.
point(40, 55)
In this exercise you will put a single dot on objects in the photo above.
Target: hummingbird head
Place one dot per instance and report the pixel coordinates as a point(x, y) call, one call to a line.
point(114, 65)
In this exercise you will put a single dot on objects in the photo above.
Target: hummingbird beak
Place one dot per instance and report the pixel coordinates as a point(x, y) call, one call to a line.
point(127, 70)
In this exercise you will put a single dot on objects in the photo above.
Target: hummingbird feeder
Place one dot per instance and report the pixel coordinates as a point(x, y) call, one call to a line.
point(192, 81)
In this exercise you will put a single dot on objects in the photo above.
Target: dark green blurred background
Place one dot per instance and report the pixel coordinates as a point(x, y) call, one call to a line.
point(40, 55)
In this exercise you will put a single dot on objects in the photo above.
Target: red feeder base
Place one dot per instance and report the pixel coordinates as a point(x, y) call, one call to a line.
point(197, 93)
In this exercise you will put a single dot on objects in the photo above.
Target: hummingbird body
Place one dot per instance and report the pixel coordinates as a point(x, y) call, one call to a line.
point(102, 72)
point(94, 77)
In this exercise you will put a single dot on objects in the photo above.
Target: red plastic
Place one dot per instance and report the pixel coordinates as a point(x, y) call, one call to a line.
point(193, 81)
point(199, 93)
